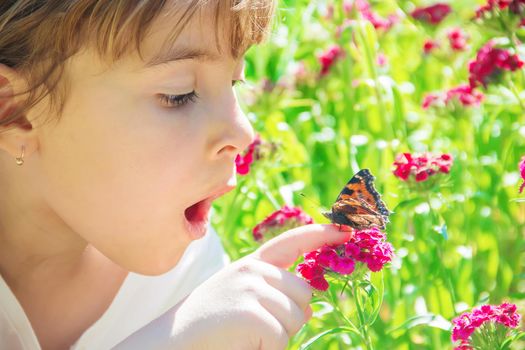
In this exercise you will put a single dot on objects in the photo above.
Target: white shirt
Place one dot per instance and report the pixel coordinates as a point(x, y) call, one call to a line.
point(140, 300)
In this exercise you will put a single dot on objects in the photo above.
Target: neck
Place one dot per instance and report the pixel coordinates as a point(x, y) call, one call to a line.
point(36, 244)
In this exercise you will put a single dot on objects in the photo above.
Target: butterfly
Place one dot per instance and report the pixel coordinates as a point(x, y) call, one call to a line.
point(359, 205)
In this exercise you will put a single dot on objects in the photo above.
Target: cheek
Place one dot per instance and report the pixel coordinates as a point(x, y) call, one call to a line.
point(120, 185)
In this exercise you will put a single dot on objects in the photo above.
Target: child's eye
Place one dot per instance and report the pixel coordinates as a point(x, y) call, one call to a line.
point(178, 100)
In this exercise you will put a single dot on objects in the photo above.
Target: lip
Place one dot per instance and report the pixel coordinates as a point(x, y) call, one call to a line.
point(197, 229)
point(220, 192)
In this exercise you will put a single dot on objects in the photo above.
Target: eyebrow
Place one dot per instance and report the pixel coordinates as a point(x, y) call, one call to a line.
point(175, 54)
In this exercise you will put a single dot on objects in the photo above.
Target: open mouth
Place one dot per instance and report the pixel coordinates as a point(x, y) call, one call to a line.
point(197, 214)
point(198, 211)
point(197, 218)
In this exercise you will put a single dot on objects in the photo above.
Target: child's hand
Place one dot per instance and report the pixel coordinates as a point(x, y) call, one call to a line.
point(253, 303)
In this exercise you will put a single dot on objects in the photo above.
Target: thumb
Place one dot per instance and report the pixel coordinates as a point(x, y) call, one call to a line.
point(283, 250)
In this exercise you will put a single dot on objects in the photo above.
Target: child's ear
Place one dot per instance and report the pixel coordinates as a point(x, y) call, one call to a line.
point(20, 132)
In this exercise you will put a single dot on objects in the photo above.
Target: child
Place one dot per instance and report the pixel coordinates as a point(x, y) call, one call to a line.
point(118, 128)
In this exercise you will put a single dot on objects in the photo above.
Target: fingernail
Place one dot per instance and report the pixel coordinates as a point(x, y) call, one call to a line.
point(343, 228)
point(347, 228)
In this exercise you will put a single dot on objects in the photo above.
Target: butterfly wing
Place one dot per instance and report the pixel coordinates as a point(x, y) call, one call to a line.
point(356, 214)
point(359, 205)
point(361, 187)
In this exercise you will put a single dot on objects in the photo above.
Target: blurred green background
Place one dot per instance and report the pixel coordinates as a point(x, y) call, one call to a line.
point(459, 244)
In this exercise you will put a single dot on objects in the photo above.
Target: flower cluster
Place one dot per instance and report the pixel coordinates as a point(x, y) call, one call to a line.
point(366, 248)
point(482, 317)
point(433, 14)
point(514, 6)
point(457, 39)
point(243, 163)
point(364, 8)
point(281, 220)
point(328, 58)
point(489, 63)
point(522, 173)
point(464, 94)
point(421, 166)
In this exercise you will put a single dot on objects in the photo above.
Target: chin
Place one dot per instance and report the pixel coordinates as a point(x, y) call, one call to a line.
point(165, 258)
point(159, 266)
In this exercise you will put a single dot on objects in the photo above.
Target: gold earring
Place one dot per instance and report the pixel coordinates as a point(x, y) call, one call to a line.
point(20, 160)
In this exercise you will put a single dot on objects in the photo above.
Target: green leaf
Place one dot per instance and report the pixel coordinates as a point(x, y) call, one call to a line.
point(508, 342)
point(426, 320)
point(332, 331)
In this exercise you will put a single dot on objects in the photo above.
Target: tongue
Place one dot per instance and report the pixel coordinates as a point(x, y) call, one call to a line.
point(195, 212)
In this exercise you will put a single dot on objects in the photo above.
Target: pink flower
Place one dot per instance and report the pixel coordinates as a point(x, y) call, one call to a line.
point(421, 167)
point(328, 58)
point(364, 8)
point(458, 39)
point(242, 163)
point(379, 22)
point(431, 100)
point(489, 63)
point(522, 173)
point(404, 166)
point(467, 323)
point(348, 5)
point(313, 272)
point(464, 346)
point(329, 15)
point(514, 6)
point(482, 10)
point(366, 248)
point(517, 6)
point(281, 220)
point(374, 251)
point(429, 46)
point(433, 14)
point(464, 94)
point(381, 59)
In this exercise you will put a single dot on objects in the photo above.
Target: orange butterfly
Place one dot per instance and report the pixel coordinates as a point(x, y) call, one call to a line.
point(359, 205)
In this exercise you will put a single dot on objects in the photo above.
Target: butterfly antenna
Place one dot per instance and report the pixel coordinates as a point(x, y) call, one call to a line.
point(311, 200)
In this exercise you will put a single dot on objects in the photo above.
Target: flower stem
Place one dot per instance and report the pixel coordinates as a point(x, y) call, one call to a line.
point(435, 217)
point(335, 304)
point(516, 93)
point(363, 329)
point(268, 194)
point(370, 62)
point(229, 223)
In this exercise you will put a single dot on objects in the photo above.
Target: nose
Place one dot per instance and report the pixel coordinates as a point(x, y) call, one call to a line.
point(232, 131)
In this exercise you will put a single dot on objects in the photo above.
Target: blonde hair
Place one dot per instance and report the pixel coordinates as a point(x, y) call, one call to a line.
point(38, 36)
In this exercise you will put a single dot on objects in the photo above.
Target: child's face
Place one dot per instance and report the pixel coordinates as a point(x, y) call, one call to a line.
point(122, 166)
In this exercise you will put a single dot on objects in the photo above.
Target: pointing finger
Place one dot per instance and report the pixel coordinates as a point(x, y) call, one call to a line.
point(283, 250)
